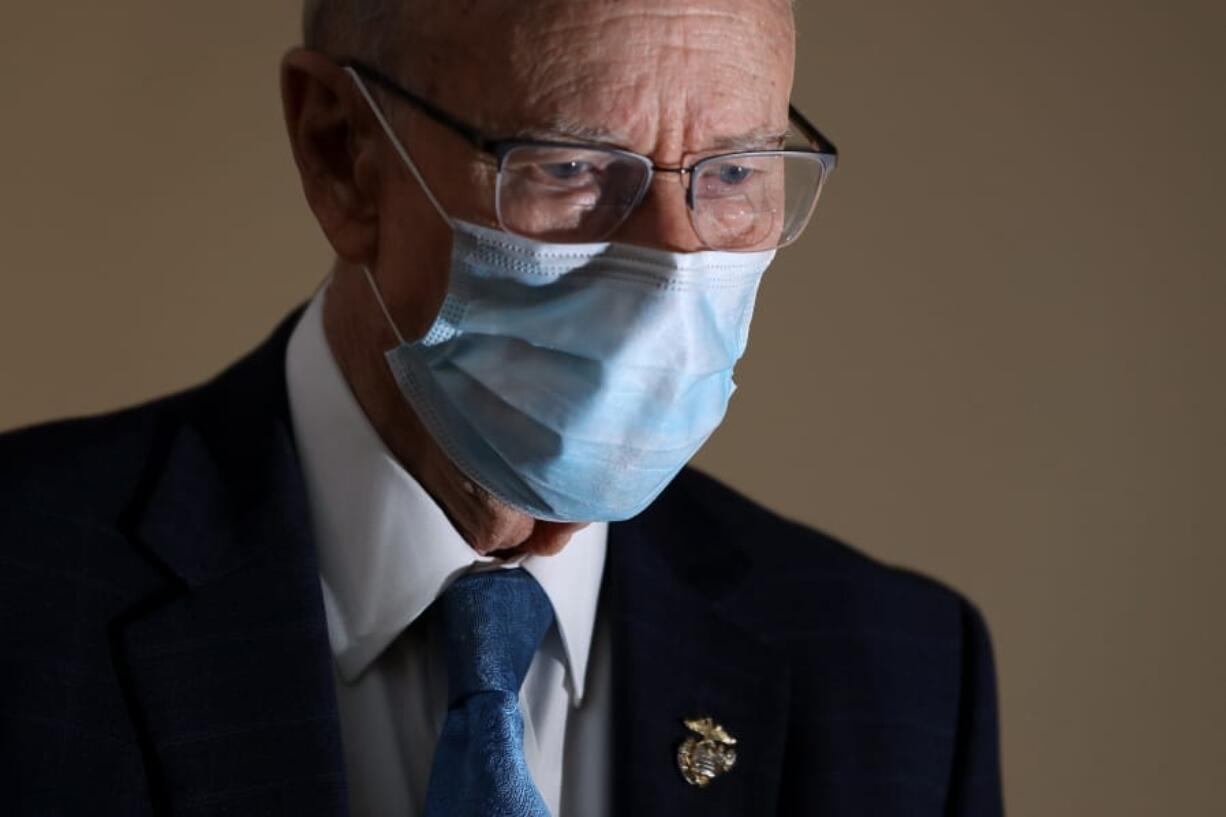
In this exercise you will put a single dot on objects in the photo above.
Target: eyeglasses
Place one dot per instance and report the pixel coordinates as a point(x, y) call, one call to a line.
point(572, 193)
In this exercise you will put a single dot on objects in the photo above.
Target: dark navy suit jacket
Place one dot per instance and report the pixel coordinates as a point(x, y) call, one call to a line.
point(164, 648)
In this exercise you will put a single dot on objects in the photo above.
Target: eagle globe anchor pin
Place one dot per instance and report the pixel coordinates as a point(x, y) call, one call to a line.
point(707, 753)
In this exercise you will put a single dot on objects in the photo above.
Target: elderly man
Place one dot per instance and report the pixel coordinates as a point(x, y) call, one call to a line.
point(433, 549)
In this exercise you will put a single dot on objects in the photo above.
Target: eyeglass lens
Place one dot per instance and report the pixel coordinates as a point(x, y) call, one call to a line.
point(745, 201)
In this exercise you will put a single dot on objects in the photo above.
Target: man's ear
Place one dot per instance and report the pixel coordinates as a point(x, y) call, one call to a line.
point(325, 118)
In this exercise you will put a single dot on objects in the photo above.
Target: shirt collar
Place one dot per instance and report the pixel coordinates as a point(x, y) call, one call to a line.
point(386, 549)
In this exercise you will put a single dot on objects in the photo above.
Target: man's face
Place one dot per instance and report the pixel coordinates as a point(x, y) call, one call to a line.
point(674, 81)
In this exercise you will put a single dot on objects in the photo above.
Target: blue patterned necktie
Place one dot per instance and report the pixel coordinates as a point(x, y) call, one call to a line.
point(492, 624)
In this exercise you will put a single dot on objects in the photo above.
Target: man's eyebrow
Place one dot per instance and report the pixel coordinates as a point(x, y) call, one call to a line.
point(566, 131)
point(757, 139)
point(575, 132)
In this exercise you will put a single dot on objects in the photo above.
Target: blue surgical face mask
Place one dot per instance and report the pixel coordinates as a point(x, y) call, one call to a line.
point(574, 381)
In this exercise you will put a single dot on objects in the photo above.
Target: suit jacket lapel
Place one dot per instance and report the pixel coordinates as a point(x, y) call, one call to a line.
point(228, 674)
point(678, 656)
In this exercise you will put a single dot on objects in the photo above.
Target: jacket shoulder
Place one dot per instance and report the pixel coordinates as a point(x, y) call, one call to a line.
point(85, 468)
point(786, 554)
point(92, 466)
point(810, 592)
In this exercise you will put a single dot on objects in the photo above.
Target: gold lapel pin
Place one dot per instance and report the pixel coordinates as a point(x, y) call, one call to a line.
point(707, 753)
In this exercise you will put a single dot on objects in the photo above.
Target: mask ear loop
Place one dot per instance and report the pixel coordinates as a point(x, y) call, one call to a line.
point(374, 287)
point(467, 485)
point(391, 135)
point(408, 160)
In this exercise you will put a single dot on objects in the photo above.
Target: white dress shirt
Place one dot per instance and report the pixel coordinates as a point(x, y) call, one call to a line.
point(386, 551)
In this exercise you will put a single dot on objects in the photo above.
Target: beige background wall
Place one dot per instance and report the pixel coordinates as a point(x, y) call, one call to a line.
point(997, 357)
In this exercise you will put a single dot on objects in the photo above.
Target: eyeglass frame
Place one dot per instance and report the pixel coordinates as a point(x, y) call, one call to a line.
point(821, 148)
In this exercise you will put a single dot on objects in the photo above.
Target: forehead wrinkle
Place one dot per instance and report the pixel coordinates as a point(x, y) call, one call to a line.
point(642, 125)
point(569, 19)
point(606, 74)
point(539, 57)
point(539, 46)
point(703, 123)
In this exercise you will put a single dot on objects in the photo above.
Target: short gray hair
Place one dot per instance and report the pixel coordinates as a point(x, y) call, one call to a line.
point(365, 29)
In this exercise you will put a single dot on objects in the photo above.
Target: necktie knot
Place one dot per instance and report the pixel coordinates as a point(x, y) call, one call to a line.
point(493, 623)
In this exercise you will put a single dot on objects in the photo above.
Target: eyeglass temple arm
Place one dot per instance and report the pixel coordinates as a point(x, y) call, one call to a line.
point(440, 116)
point(811, 132)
